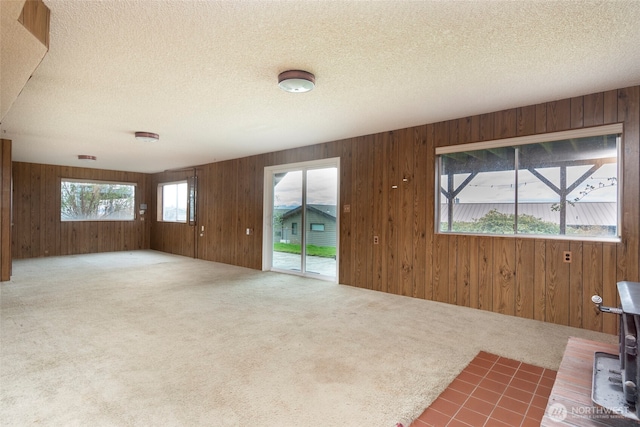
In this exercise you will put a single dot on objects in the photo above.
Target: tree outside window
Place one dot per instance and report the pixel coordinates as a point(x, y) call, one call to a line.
point(96, 201)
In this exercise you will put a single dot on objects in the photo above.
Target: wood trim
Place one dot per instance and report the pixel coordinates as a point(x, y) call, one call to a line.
point(628, 253)
point(5, 210)
point(36, 17)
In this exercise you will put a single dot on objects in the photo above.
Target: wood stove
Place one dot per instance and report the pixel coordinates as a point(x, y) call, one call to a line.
point(616, 377)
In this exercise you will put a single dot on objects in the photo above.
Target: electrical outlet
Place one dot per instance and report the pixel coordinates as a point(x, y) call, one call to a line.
point(376, 240)
point(566, 256)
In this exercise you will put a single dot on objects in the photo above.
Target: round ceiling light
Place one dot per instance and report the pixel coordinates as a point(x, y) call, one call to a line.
point(296, 81)
point(147, 136)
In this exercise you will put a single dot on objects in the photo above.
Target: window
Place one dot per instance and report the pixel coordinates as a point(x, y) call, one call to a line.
point(563, 184)
point(172, 201)
point(317, 227)
point(84, 200)
point(294, 228)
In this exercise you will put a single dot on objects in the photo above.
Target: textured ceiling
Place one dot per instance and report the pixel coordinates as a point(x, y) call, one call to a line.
point(203, 74)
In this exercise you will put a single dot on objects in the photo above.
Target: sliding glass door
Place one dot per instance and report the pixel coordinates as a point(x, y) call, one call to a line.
point(287, 213)
point(302, 219)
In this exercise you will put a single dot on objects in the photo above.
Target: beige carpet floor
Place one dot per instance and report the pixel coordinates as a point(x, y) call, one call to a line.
point(150, 339)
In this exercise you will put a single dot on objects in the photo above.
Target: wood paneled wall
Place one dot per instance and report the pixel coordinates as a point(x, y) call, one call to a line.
point(5, 210)
point(38, 230)
point(172, 237)
point(516, 276)
point(231, 200)
point(525, 277)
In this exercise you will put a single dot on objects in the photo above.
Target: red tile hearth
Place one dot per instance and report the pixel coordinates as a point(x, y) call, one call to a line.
point(492, 391)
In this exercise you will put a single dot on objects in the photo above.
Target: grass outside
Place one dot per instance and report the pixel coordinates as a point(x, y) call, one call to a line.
point(312, 250)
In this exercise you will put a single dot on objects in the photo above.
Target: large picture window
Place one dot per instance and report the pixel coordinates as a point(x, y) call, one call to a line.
point(561, 184)
point(172, 201)
point(84, 200)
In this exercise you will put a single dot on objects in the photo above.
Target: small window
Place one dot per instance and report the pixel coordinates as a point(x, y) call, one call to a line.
point(96, 200)
point(294, 228)
point(172, 201)
point(317, 227)
point(563, 184)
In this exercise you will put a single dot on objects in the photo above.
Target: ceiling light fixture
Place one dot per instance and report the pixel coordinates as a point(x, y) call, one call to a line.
point(147, 136)
point(87, 157)
point(296, 81)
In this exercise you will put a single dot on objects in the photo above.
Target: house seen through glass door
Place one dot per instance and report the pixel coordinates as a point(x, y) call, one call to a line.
point(304, 220)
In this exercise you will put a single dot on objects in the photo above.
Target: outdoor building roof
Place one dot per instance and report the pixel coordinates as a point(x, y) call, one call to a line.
point(326, 210)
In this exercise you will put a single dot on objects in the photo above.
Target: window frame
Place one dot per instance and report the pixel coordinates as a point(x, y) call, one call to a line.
point(160, 201)
point(612, 129)
point(100, 182)
point(311, 224)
